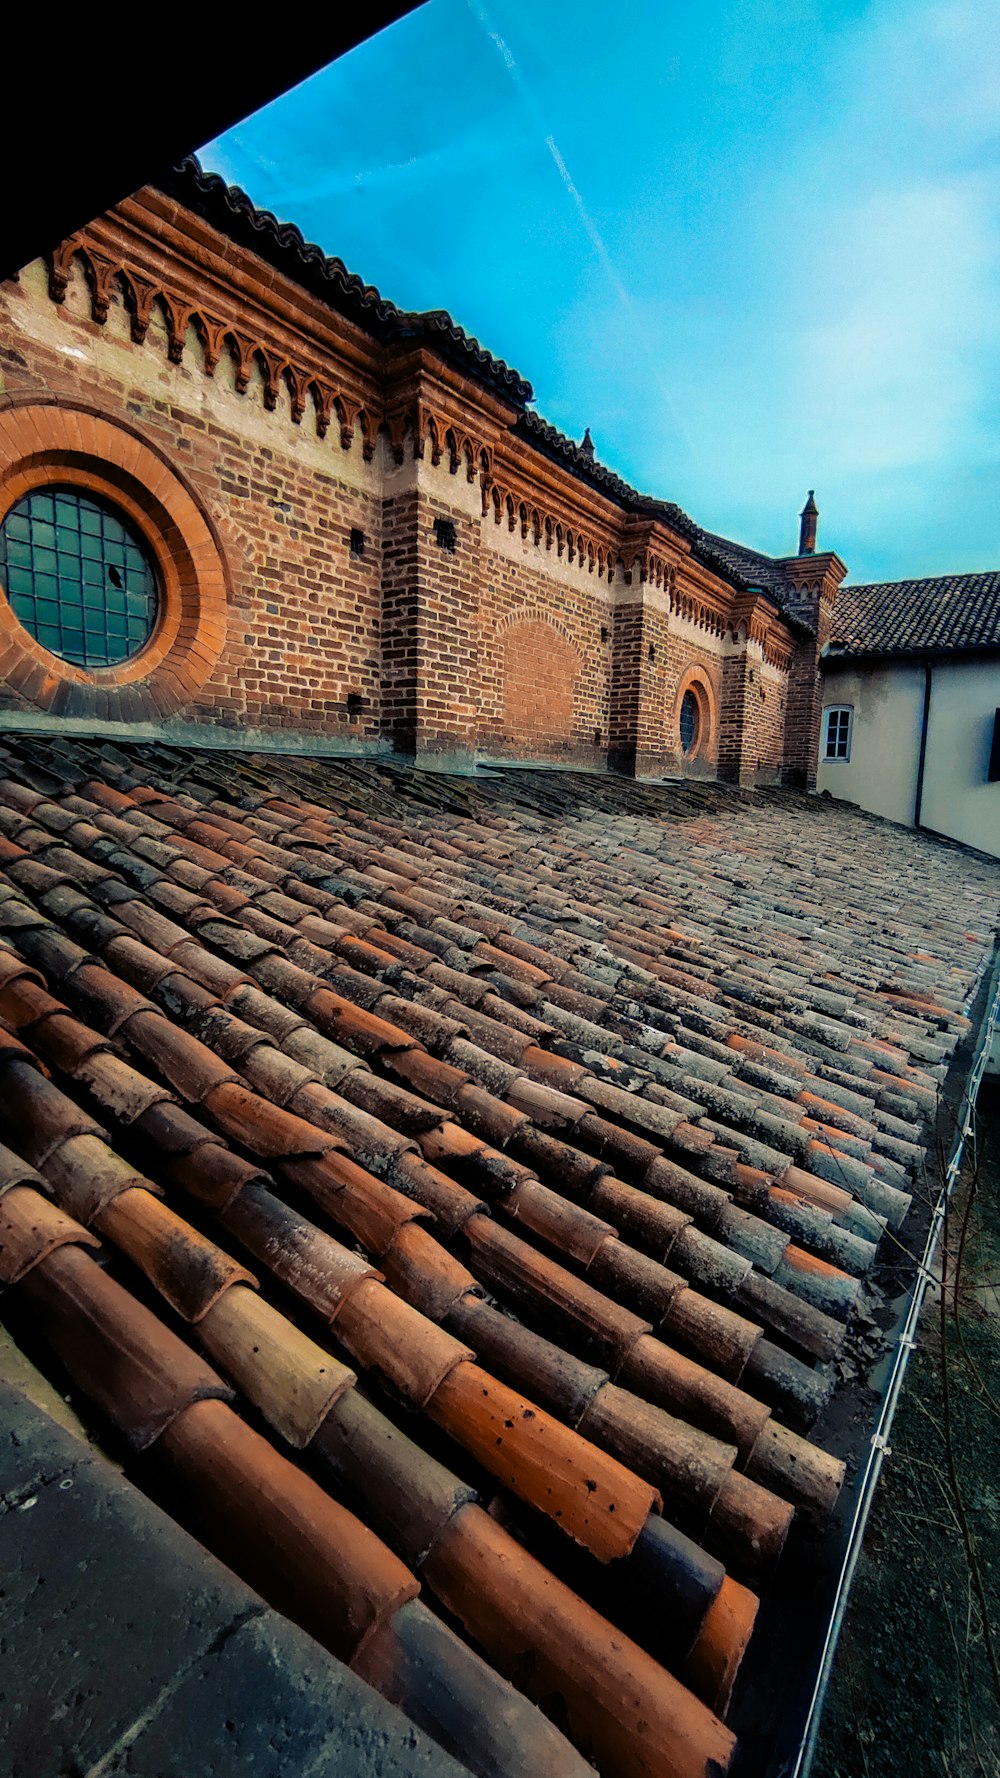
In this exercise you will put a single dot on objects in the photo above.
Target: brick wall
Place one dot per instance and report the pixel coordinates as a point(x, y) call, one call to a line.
point(817, 579)
point(303, 622)
point(545, 652)
point(530, 637)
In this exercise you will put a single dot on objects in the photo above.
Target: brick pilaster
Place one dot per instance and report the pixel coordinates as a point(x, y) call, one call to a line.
point(430, 622)
point(640, 643)
point(816, 579)
point(736, 765)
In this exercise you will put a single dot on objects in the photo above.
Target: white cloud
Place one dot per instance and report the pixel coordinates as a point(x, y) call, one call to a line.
point(908, 290)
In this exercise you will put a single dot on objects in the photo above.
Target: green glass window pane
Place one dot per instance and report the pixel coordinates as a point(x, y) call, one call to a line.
point(77, 577)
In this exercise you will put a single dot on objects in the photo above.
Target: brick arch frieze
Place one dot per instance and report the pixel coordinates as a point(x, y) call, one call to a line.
point(309, 390)
point(546, 529)
point(533, 614)
point(48, 443)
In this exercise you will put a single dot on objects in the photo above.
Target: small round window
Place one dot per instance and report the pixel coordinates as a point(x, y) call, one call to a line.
point(78, 577)
point(690, 722)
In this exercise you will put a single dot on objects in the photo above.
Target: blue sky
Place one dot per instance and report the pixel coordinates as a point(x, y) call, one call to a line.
point(754, 245)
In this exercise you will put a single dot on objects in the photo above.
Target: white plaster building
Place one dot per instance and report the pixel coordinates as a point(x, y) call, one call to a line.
point(910, 721)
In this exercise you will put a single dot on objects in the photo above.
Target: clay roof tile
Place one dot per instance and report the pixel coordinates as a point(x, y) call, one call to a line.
point(318, 1269)
point(31, 1228)
point(137, 1373)
point(36, 1116)
point(264, 1129)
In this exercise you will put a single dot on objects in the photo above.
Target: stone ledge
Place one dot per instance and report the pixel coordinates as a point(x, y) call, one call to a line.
point(129, 1649)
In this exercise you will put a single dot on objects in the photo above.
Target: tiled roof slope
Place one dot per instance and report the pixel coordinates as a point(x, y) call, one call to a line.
point(484, 1175)
point(951, 612)
point(747, 566)
point(283, 245)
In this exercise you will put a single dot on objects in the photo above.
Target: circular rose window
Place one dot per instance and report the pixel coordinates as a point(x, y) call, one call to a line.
point(78, 577)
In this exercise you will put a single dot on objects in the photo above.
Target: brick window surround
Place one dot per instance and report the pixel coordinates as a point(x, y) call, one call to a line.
point(47, 445)
point(697, 682)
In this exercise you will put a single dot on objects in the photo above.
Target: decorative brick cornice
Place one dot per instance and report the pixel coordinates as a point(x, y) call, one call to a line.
point(348, 374)
point(282, 245)
point(109, 266)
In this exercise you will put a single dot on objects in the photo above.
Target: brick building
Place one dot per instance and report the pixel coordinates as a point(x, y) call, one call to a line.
point(454, 1200)
point(356, 532)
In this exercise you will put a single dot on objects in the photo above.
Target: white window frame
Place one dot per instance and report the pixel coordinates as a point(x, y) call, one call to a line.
point(833, 756)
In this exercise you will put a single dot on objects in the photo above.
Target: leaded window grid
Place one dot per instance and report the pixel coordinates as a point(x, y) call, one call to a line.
point(77, 577)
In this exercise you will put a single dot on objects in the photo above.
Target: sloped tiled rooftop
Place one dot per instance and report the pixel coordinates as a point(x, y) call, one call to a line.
point(941, 615)
point(454, 1196)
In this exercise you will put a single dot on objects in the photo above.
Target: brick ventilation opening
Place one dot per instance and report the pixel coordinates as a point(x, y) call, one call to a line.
point(445, 535)
point(604, 632)
point(357, 543)
point(652, 651)
point(355, 704)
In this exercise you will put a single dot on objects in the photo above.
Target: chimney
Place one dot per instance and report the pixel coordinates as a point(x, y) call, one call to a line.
point(587, 444)
point(807, 526)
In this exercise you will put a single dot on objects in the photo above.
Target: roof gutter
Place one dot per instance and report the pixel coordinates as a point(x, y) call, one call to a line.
point(879, 1447)
point(918, 801)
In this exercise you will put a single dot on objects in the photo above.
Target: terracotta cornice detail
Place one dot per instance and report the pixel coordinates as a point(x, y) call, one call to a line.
point(820, 574)
point(157, 254)
point(760, 619)
point(312, 370)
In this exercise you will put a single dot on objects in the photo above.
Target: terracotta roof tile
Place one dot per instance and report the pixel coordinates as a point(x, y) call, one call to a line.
point(138, 1374)
point(907, 617)
point(310, 1263)
point(629, 1714)
point(32, 1228)
point(284, 1533)
point(607, 1052)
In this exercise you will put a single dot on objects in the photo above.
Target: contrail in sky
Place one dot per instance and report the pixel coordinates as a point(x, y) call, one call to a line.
point(587, 222)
